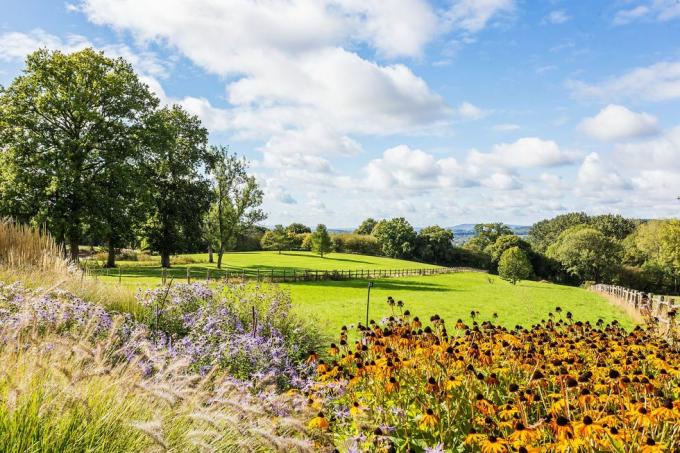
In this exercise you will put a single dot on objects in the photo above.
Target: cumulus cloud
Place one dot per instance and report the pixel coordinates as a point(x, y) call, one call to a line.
point(616, 122)
point(469, 111)
point(658, 82)
point(502, 181)
point(291, 80)
point(404, 168)
point(595, 174)
point(525, 152)
point(662, 152)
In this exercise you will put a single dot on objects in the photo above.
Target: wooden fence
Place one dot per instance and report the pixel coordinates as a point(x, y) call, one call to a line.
point(659, 310)
point(295, 275)
point(194, 273)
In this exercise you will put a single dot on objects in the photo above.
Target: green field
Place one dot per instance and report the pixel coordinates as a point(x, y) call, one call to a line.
point(144, 273)
point(452, 296)
point(332, 304)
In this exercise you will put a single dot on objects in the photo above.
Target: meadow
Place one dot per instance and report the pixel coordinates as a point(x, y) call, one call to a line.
point(148, 272)
point(452, 297)
point(334, 303)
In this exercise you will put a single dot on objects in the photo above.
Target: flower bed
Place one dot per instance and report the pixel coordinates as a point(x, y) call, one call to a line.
point(562, 385)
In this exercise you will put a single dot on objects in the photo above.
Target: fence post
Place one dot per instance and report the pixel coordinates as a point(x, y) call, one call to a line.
point(284, 276)
point(207, 276)
point(188, 275)
point(120, 276)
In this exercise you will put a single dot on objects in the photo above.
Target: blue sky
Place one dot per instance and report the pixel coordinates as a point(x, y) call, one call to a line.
point(446, 112)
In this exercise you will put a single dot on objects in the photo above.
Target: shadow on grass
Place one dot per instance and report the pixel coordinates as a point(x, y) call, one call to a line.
point(391, 284)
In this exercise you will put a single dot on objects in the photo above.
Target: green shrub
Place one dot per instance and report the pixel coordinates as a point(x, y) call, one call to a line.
point(356, 243)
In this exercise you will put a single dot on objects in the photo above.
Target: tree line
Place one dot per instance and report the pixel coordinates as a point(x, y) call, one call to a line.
point(572, 248)
point(87, 152)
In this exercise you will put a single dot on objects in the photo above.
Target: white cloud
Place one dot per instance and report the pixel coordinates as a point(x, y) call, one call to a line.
point(597, 175)
point(470, 111)
point(291, 82)
point(474, 15)
point(16, 46)
point(525, 152)
point(559, 16)
point(616, 122)
point(404, 168)
point(502, 181)
point(626, 16)
point(660, 153)
point(659, 10)
point(658, 82)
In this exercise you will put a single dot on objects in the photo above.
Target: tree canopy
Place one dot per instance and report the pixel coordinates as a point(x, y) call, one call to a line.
point(70, 131)
point(321, 240)
point(514, 265)
point(396, 237)
point(586, 252)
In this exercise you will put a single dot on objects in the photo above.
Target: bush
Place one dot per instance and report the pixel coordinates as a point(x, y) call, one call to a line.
point(246, 329)
point(356, 243)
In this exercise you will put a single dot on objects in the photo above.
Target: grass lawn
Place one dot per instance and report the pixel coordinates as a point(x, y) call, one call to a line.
point(145, 273)
point(333, 304)
point(452, 296)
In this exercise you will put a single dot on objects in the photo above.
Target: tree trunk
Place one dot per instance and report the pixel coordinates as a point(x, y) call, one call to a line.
point(165, 259)
point(210, 253)
point(220, 252)
point(74, 243)
point(111, 259)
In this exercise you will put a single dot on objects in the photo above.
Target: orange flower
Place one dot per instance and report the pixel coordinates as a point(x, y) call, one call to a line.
point(392, 385)
point(494, 444)
point(319, 422)
point(429, 420)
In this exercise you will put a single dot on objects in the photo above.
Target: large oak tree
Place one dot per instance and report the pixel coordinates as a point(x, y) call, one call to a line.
point(69, 129)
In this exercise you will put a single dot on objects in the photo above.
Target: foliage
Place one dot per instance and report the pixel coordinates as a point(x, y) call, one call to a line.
point(486, 234)
point(366, 227)
point(586, 253)
point(485, 388)
point(514, 265)
point(362, 244)
point(504, 243)
point(298, 228)
point(613, 226)
point(544, 233)
point(75, 379)
point(179, 193)
point(434, 244)
point(70, 131)
point(237, 199)
point(321, 240)
point(276, 239)
point(247, 330)
point(396, 237)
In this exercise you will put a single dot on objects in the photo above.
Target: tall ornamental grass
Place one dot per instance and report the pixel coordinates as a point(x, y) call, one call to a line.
point(76, 379)
point(34, 258)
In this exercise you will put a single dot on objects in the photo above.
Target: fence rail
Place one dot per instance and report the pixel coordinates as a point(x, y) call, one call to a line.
point(660, 309)
point(279, 275)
